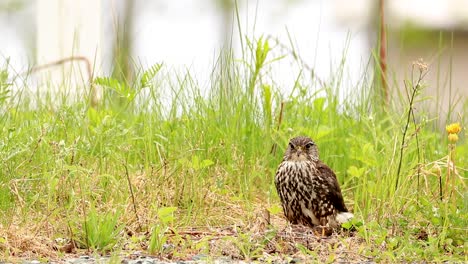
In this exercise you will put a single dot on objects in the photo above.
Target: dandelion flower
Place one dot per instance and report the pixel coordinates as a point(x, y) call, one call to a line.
point(453, 128)
point(453, 138)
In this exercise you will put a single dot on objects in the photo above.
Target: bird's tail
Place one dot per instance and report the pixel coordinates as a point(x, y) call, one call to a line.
point(344, 217)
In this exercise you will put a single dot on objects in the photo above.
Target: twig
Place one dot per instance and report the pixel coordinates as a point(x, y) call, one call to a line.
point(280, 119)
point(415, 89)
point(73, 154)
point(201, 233)
point(62, 61)
point(72, 235)
point(38, 228)
point(89, 71)
point(215, 235)
point(14, 190)
point(416, 132)
point(440, 187)
point(383, 52)
point(131, 193)
point(84, 214)
point(38, 142)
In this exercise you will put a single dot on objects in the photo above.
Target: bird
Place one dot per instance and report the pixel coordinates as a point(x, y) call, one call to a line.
point(308, 189)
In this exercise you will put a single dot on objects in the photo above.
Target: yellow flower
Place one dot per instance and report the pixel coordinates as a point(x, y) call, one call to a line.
point(453, 138)
point(453, 128)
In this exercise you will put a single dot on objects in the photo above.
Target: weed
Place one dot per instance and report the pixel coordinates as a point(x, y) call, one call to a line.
point(158, 239)
point(249, 248)
point(159, 155)
point(101, 231)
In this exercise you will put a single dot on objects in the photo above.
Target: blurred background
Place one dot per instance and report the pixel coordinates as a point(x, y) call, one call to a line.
point(119, 37)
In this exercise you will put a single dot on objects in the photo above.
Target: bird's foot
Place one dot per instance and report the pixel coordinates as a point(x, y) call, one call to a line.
point(322, 231)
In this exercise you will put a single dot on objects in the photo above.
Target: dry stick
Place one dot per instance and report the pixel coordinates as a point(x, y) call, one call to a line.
point(64, 60)
point(70, 230)
point(36, 147)
point(280, 119)
point(69, 59)
point(405, 130)
point(84, 213)
point(416, 131)
point(383, 52)
point(131, 193)
point(200, 233)
point(72, 158)
point(440, 186)
point(14, 190)
point(38, 228)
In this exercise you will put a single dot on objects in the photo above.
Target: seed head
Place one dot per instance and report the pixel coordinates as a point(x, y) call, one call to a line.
point(422, 66)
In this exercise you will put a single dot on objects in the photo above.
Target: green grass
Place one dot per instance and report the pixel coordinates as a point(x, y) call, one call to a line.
point(150, 172)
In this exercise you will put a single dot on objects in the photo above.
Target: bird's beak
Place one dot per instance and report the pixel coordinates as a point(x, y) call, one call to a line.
point(300, 151)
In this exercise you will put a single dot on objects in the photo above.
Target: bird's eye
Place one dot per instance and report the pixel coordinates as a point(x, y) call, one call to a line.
point(309, 145)
point(291, 145)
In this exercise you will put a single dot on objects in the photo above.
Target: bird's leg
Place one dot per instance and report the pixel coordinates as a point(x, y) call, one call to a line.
point(322, 231)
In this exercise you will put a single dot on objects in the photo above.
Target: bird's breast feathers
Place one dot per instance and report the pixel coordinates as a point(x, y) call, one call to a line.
point(297, 166)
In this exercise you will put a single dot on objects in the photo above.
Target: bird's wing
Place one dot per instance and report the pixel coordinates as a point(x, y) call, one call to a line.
point(280, 185)
point(334, 192)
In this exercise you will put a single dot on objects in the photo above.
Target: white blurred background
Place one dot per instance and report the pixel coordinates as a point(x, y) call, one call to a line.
point(189, 34)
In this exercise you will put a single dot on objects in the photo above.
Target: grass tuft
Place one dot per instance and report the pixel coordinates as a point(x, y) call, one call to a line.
point(161, 165)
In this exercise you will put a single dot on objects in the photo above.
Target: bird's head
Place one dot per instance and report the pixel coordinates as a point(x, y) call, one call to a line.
point(301, 149)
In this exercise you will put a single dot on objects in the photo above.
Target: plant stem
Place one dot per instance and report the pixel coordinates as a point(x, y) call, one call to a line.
point(416, 129)
point(280, 119)
point(131, 193)
point(415, 89)
point(383, 52)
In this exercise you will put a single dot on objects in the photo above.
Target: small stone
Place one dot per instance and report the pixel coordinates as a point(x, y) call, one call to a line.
point(199, 257)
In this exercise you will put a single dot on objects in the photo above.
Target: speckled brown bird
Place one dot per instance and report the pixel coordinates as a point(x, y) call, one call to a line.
point(308, 188)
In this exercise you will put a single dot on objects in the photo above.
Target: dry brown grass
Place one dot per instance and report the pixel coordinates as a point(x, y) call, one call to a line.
point(269, 238)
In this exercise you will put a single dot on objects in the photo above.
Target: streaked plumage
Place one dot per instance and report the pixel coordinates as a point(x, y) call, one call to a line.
point(308, 188)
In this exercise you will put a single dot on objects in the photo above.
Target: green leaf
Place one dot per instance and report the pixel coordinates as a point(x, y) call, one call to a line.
point(367, 155)
point(195, 162)
point(352, 223)
point(323, 132)
point(319, 104)
point(166, 214)
point(267, 102)
point(206, 163)
point(149, 74)
point(120, 88)
point(355, 171)
point(275, 209)
point(261, 53)
point(347, 225)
